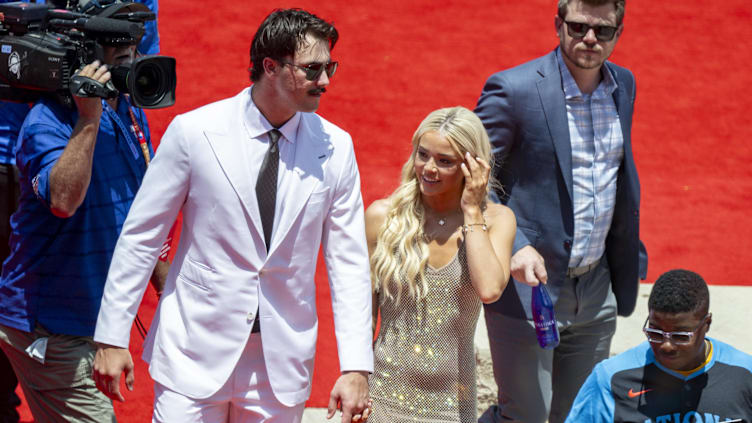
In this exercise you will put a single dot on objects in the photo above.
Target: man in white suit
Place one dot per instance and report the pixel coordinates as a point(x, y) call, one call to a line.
point(234, 335)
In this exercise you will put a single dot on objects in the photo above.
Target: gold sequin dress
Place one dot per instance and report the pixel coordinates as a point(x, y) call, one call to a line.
point(424, 356)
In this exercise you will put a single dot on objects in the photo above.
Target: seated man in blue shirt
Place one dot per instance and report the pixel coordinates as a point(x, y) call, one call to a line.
point(73, 200)
point(677, 375)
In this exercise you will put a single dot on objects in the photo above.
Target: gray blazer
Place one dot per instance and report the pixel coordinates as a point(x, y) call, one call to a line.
point(524, 112)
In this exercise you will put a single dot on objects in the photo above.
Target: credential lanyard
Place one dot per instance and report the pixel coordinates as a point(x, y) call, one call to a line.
point(136, 128)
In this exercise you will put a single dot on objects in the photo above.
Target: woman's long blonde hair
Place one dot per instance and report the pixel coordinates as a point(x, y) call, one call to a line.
point(399, 259)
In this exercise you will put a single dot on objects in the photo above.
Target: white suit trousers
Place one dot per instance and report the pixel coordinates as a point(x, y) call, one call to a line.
point(246, 397)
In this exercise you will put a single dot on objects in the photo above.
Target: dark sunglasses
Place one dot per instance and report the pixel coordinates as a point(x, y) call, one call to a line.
point(314, 70)
point(602, 32)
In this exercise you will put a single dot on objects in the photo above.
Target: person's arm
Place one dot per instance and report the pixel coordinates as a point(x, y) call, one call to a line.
point(488, 250)
point(495, 109)
point(71, 174)
point(154, 209)
point(346, 255)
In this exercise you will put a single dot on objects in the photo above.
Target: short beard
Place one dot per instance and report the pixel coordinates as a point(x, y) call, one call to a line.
point(574, 62)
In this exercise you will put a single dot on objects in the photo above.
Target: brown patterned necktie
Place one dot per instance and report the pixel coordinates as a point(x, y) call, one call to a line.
point(266, 186)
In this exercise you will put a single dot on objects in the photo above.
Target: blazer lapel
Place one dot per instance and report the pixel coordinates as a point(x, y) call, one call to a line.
point(226, 148)
point(311, 151)
point(554, 107)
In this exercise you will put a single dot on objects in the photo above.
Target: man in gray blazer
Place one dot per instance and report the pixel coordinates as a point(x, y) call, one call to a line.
point(560, 126)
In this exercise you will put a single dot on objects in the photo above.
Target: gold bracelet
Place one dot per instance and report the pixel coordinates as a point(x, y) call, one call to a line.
point(468, 227)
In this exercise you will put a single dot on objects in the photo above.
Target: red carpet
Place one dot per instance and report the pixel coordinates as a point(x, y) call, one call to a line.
point(400, 60)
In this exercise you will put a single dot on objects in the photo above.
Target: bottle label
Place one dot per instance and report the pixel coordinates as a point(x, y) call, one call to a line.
point(544, 324)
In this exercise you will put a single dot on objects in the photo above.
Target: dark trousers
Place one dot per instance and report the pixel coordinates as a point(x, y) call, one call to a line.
point(8, 203)
point(537, 385)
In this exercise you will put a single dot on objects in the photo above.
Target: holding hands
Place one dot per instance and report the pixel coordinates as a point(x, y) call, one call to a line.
point(350, 394)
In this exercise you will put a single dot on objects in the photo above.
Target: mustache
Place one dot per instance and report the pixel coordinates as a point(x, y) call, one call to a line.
point(317, 91)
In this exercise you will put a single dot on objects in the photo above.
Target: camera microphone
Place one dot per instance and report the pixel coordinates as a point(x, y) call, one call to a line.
point(97, 25)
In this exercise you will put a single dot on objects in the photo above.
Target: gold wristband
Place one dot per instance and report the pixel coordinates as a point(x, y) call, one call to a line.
point(468, 227)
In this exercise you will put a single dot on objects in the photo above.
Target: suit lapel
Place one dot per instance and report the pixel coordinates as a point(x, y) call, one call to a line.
point(311, 151)
point(232, 161)
point(555, 109)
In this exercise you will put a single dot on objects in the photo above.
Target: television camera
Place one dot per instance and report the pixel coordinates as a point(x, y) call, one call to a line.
point(41, 48)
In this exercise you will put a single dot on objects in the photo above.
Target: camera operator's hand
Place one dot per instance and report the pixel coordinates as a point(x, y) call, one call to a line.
point(91, 107)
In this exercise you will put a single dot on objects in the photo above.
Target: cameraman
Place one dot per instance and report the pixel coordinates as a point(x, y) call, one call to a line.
point(79, 171)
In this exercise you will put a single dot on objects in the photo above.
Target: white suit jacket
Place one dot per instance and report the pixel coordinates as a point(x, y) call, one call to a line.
point(221, 274)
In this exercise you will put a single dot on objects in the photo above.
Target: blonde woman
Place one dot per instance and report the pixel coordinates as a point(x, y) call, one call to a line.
point(438, 249)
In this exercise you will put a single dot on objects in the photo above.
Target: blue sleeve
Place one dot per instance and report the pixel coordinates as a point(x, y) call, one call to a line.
point(594, 402)
point(150, 42)
point(43, 137)
point(494, 109)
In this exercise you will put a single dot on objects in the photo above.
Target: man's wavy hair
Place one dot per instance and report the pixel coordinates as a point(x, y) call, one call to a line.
point(398, 262)
point(618, 4)
point(283, 32)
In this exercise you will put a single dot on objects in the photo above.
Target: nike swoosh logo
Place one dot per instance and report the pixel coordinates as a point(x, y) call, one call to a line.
point(633, 394)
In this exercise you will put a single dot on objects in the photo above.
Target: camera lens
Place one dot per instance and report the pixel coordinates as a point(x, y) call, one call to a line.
point(148, 82)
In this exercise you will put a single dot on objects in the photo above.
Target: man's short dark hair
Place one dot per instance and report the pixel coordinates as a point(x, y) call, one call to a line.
point(679, 291)
point(281, 34)
point(618, 4)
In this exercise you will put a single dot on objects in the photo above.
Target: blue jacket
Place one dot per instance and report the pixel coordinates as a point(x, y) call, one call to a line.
point(524, 112)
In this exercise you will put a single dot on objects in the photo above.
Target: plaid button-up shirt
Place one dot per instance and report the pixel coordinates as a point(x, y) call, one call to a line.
point(597, 151)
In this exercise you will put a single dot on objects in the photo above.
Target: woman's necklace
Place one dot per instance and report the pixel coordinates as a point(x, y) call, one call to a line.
point(442, 222)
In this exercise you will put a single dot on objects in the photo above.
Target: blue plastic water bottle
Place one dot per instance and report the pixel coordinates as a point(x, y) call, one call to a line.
point(544, 318)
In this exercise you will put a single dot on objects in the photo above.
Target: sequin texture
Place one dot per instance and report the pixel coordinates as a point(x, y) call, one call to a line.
point(425, 355)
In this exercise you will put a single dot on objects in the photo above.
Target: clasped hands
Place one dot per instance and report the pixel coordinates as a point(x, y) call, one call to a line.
point(350, 394)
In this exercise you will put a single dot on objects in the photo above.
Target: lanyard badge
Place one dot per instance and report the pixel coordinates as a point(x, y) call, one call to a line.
point(136, 128)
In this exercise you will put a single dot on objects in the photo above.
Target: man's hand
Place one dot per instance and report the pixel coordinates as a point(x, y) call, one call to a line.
point(528, 266)
point(351, 392)
point(109, 364)
point(90, 108)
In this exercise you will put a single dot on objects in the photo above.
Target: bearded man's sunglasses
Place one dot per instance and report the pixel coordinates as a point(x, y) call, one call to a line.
point(314, 70)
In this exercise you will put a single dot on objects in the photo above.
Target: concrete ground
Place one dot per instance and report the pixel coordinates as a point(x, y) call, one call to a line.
point(730, 319)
